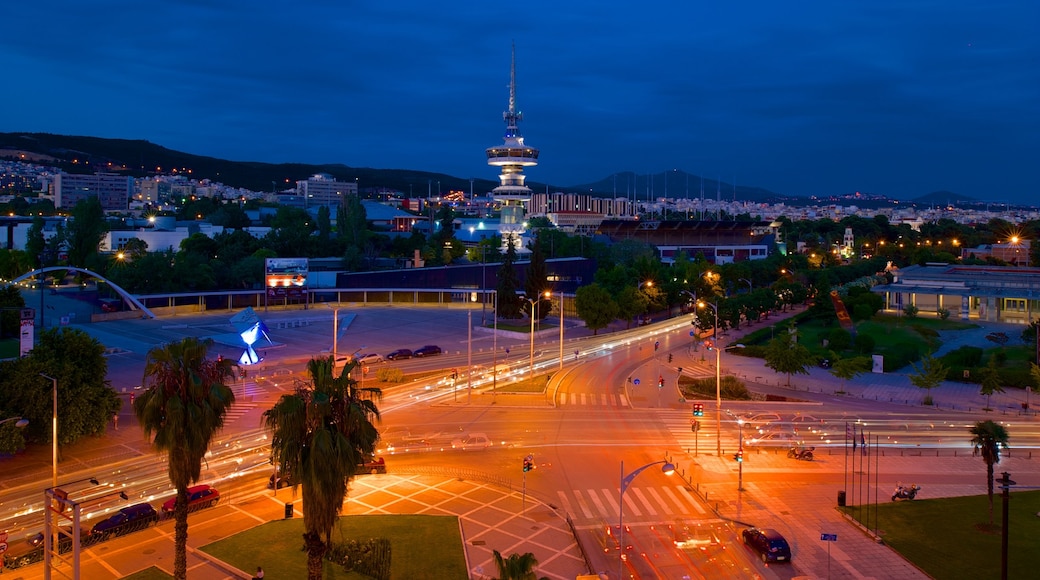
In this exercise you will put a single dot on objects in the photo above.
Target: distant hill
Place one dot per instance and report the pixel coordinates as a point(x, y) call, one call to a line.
point(140, 158)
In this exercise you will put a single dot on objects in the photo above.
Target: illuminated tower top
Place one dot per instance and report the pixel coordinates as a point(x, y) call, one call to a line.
point(511, 158)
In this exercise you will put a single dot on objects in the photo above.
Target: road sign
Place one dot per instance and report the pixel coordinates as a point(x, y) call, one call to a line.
point(3, 547)
point(829, 537)
point(691, 333)
point(3, 536)
point(635, 381)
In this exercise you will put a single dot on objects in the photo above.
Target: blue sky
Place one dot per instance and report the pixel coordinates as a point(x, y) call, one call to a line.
point(899, 97)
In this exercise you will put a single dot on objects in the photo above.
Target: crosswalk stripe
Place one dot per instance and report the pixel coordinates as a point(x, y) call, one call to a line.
point(624, 401)
point(603, 399)
point(661, 502)
point(595, 500)
point(565, 502)
point(610, 495)
point(574, 398)
point(583, 398)
point(630, 505)
point(639, 495)
point(691, 500)
point(683, 508)
point(584, 506)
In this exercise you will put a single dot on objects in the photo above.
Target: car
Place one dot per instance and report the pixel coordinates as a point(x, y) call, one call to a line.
point(807, 423)
point(773, 439)
point(472, 441)
point(199, 496)
point(278, 480)
point(760, 421)
point(825, 363)
point(110, 305)
point(372, 465)
point(770, 545)
point(401, 353)
point(428, 350)
point(370, 358)
point(126, 520)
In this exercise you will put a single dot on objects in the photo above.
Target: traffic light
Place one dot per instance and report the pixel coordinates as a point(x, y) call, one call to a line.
point(680, 370)
point(695, 426)
point(698, 409)
point(528, 463)
point(657, 345)
point(669, 357)
point(660, 382)
point(709, 344)
point(739, 456)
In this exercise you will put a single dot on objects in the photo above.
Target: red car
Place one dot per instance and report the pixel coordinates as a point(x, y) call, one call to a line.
point(200, 496)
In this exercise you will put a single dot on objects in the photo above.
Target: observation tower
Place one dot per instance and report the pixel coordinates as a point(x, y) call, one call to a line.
point(511, 158)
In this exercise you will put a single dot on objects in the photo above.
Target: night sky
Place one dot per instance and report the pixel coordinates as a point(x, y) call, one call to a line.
point(895, 97)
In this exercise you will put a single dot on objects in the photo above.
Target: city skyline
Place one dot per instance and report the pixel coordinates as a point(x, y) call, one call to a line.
point(894, 98)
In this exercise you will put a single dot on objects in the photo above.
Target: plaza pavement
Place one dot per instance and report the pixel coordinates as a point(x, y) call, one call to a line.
point(489, 512)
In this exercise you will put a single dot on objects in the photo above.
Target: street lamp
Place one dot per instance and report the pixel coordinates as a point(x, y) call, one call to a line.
point(19, 422)
point(718, 378)
point(667, 468)
point(549, 295)
point(740, 457)
point(751, 287)
point(54, 431)
point(530, 370)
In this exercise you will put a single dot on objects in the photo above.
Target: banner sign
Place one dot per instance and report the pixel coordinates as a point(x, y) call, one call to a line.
point(286, 277)
point(843, 314)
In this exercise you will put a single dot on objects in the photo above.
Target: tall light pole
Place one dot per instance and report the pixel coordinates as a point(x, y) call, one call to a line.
point(740, 457)
point(549, 295)
point(494, 358)
point(667, 468)
point(483, 281)
point(530, 370)
point(718, 378)
point(54, 431)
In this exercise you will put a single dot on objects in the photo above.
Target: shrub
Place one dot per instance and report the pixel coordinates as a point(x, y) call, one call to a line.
point(864, 343)
point(965, 356)
point(369, 558)
point(910, 311)
point(839, 339)
point(390, 375)
point(943, 313)
point(862, 312)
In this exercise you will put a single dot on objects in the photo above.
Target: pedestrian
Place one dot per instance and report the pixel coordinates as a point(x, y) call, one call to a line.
point(115, 421)
point(259, 573)
point(863, 443)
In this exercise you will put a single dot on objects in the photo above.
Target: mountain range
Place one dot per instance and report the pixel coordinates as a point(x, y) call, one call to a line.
point(140, 158)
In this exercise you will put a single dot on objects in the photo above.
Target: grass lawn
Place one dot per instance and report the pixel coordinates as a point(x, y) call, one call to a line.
point(152, 573)
point(421, 546)
point(951, 538)
point(535, 385)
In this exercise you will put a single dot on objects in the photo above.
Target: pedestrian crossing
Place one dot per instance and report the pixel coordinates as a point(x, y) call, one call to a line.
point(592, 399)
point(649, 503)
point(237, 411)
point(681, 426)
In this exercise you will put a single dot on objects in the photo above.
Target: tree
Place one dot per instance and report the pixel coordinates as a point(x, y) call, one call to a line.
point(86, 402)
point(849, 368)
point(929, 375)
point(185, 401)
point(516, 566)
point(595, 307)
point(990, 380)
point(34, 241)
point(784, 354)
point(988, 438)
point(85, 231)
point(631, 303)
point(536, 283)
point(319, 435)
point(509, 304)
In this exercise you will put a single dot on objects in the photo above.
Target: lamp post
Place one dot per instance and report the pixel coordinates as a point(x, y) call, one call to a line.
point(667, 468)
point(54, 431)
point(530, 370)
point(549, 295)
point(494, 358)
point(483, 281)
point(740, 455)
point(718, 378)
point(19, 422)
point(751, 287)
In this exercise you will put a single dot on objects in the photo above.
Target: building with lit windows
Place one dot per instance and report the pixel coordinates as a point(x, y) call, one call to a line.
point(113, 191)
point(323, 189)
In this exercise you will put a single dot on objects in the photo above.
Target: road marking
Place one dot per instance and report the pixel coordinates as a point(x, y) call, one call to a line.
point(610, 495)
point(671, 495)
point(583, 398)
point(630, 504)
point(649, 508)
point(599, 505)
point(624, 401)
point(690, 498)
point(566, 502)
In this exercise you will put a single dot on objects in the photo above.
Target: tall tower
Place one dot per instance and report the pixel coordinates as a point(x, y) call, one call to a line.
point(511, 158)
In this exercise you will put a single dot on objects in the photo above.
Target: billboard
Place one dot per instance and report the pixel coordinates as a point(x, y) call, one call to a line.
point(286, 278)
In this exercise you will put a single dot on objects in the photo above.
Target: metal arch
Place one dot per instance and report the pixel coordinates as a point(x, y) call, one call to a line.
point(135, 304)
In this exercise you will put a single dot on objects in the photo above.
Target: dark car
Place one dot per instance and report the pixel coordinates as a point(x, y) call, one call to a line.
point(280, 479)
point(200, 496)
point(770, 545)
point(126, 520)
point(399, 354)
point(428, 350)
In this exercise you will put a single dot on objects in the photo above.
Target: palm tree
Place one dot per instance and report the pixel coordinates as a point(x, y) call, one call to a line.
point(320, 433)
point(516, 566)
point(184, 404)
point(987, 438)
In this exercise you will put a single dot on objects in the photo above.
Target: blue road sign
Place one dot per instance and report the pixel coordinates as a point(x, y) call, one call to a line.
point(829, 537)
point(635, 381)
point(691, 333)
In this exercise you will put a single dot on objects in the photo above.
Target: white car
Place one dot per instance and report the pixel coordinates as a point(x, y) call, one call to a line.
point(370, 358)
point(773, 439)
point(472, 441)
point(760, 421)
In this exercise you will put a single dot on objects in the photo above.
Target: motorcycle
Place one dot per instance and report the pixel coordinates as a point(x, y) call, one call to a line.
point(907, 493)
point(805, 454)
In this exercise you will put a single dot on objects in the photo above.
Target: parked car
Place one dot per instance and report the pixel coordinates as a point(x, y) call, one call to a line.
point(398, 354)
point(126, 520)
point(279, 480)
point(370, 358)
point(428, 350)
point(770, 545)
point(199, 496)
